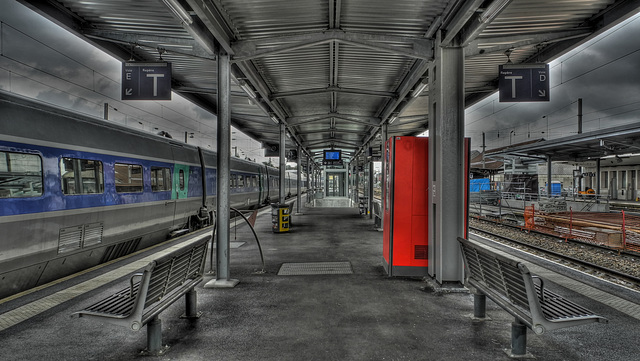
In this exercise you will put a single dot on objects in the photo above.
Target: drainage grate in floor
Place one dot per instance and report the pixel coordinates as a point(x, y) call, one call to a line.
point(315, 268)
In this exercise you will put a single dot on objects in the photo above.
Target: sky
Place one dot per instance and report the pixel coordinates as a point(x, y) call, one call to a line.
point(604, 72)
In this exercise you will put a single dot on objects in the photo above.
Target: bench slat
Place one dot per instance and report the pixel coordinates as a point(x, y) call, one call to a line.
point(557, 307)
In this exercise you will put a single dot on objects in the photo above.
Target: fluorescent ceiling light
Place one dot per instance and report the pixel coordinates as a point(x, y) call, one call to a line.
point(419, 89)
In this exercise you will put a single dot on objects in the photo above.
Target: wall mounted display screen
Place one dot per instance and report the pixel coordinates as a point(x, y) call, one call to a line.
point(332, 157)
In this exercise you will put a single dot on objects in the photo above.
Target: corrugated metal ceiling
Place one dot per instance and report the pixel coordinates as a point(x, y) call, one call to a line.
point(332, 70)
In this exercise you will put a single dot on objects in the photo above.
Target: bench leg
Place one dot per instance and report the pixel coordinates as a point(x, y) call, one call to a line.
point(154, 338)
point(191, 305)
point(479, 306)
point(518, 339)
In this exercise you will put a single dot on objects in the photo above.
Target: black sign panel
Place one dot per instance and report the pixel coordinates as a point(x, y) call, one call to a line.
point(524, 83)
point(146, 81)
point(332, 162)
point(271, 150)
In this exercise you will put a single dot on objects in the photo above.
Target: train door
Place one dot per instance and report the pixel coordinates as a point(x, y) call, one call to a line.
point(264, 185)
point(180, 181)
point(180, 191)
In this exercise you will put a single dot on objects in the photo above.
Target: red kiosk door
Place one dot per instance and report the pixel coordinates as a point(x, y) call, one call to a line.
point(405, 204)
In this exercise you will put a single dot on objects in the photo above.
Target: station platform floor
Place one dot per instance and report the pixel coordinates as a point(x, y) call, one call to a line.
point(364, 315)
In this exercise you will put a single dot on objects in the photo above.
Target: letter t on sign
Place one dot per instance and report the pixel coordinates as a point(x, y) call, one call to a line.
point(513, 79)
point(155, 82)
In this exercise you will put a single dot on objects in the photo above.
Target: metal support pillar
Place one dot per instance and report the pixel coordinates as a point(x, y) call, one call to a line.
point(371, 181)
point(446, 162)
point(383, 182)
point(579, 115)
point(223, 279)
point(283, 164)
point(549, 188)
point(345, 184)
point(356, 179)
point(299, 180)
point(598, 180)
point(308, 179)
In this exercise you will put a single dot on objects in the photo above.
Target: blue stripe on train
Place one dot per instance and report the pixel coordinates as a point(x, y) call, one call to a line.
point(54, 200)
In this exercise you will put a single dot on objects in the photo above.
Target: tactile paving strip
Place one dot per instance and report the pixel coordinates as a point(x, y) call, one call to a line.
point(315, 268)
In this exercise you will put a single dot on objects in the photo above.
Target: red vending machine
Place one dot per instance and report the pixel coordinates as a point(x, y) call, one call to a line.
point(405, 203)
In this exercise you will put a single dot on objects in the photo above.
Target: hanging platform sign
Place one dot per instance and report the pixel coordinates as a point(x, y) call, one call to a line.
point(524, 83)
point(146, 81)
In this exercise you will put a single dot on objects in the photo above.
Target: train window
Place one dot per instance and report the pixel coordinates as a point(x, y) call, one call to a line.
point(181, 179)
point(128, 178)
point(233, 179)
point(240, 183)
point(20, 175)
point(161, 179)
point(81, 176)
point(254, 181)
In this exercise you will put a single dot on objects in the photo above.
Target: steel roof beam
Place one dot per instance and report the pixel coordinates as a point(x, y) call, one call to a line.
point(481, 20)
point(369, 121)
point(335, 89)
point(152, 41)
point(502, 43)
point(333, 140)
point(215, 21)
point(461, 15)
point(217, 24)
point(328, 131)
point(249, 49)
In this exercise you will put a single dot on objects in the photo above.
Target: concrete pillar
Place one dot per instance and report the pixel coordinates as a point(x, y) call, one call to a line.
point(223, 257)
point(446, 162)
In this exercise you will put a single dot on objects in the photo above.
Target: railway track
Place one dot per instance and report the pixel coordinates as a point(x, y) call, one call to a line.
point(603, 263)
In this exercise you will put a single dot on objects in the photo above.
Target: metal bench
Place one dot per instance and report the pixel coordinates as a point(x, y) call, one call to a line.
point(159, 284)
point(510, 285)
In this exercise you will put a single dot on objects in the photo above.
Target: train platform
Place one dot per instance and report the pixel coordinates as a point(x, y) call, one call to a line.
point(323, 295)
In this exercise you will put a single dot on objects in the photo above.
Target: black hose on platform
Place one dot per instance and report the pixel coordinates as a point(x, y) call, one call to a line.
point(213, 239)
point(255, 235)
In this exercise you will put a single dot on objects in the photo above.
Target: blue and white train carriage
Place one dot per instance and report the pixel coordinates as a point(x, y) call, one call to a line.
point(76, 191)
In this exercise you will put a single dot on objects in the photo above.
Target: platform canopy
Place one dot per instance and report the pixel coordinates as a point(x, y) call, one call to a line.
point(611, 142)
point(334, 71)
